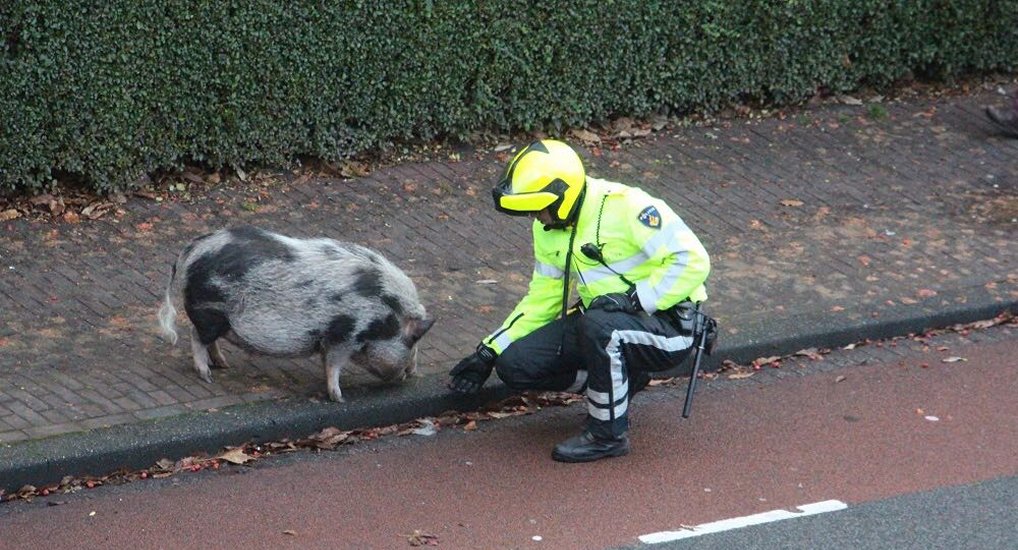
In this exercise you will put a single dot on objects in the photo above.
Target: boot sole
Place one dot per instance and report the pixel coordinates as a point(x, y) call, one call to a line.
point(621, 451)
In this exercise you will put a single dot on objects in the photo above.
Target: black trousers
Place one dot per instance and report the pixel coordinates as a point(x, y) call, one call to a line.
point(610, 346)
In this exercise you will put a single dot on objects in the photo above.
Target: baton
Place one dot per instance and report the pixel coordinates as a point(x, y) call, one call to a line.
point(699, 332)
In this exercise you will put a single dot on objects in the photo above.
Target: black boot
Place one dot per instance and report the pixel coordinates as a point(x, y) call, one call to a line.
point(586, 447)
point(1007, 120)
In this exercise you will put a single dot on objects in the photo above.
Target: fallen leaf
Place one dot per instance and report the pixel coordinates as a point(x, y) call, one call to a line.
point(926, 293)
point(427, 428)
point(420, 538)
point(329, 438)
point(811, 353)
point(987, 323)
point(290, 532)
point(766, 360)
point(40, 200)
point(9, 214)
point(791, 202)
point(840, 378)
point(865, 260)
point(236, 456)
point(585, 136)
point(740, 375)
point(470, 426)
point(954, 359)
point(355, 169)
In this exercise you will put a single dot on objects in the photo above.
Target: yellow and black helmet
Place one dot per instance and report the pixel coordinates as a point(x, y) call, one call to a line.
point(545, 174)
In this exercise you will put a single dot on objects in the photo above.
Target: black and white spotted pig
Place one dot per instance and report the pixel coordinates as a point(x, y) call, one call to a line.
point(287, 297)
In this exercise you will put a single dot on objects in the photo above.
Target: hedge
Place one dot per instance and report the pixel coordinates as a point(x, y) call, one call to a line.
point(108, 90)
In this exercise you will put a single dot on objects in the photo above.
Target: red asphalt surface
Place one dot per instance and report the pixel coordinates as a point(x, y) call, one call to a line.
point(746, 449)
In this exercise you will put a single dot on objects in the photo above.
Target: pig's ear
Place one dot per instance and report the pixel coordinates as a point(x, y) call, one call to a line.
point(415, 329)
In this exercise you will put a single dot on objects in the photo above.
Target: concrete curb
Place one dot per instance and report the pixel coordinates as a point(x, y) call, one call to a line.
point(140, 445)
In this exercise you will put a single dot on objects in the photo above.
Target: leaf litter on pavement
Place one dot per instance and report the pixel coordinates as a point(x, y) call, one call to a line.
point(331, 438)
point(734, 371)
point(326, 439)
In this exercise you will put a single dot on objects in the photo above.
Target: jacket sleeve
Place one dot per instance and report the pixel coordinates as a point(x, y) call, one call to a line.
point(678, 263)
point(542, 303)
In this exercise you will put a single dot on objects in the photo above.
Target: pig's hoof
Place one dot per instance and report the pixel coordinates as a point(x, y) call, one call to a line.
point(206, 376)
point(336, 396)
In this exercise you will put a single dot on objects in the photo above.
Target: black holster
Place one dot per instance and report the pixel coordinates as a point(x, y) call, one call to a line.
point(683, 315)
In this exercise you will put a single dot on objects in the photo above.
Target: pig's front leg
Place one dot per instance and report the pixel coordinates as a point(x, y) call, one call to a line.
point(201, 357)
point(412, 368)
point(334, 359)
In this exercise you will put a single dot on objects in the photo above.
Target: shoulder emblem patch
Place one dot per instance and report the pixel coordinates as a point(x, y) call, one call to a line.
point(650, 217)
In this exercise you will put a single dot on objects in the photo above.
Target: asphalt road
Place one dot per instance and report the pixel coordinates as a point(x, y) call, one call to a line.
point(899, 425)
point(979, 516)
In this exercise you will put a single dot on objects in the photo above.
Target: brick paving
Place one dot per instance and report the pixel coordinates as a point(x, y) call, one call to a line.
point(827, 212)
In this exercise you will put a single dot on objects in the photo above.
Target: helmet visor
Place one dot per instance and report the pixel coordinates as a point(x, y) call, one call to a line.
point(526, 203)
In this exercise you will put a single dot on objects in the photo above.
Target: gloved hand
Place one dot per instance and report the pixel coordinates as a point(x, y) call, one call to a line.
point(626, 302)
point(470, 373)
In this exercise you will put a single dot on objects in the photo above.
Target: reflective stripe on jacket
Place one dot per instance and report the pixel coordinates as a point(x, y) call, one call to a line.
point(641, 238)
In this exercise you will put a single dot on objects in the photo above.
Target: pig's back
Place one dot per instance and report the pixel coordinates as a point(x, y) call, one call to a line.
point(287, 306)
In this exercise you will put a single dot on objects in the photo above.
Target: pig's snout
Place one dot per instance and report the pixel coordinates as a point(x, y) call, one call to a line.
point(387, 374)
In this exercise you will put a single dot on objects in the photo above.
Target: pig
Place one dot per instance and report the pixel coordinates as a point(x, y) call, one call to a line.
point(287, 297)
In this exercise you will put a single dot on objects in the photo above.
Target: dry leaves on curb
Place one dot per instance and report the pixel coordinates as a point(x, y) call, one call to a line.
point(327, 439)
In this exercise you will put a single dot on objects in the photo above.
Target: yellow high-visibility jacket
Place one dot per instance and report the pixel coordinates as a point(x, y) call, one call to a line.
point(640, 237)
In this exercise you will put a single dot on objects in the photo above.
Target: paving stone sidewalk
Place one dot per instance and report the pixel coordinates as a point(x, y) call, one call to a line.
point(832, 220)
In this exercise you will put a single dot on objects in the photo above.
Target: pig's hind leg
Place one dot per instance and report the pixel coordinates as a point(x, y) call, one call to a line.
point(201, 356)
point(218, 359)
point(207, 326)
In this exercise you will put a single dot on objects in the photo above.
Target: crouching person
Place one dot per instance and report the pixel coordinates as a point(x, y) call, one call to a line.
point(637, 268)
point(285, 297)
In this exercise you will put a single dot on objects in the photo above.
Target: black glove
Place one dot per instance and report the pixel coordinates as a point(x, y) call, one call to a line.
point(470, 373)
point(626, 302)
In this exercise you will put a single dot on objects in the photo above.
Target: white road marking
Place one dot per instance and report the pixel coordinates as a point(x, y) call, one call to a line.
point(745, 521)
